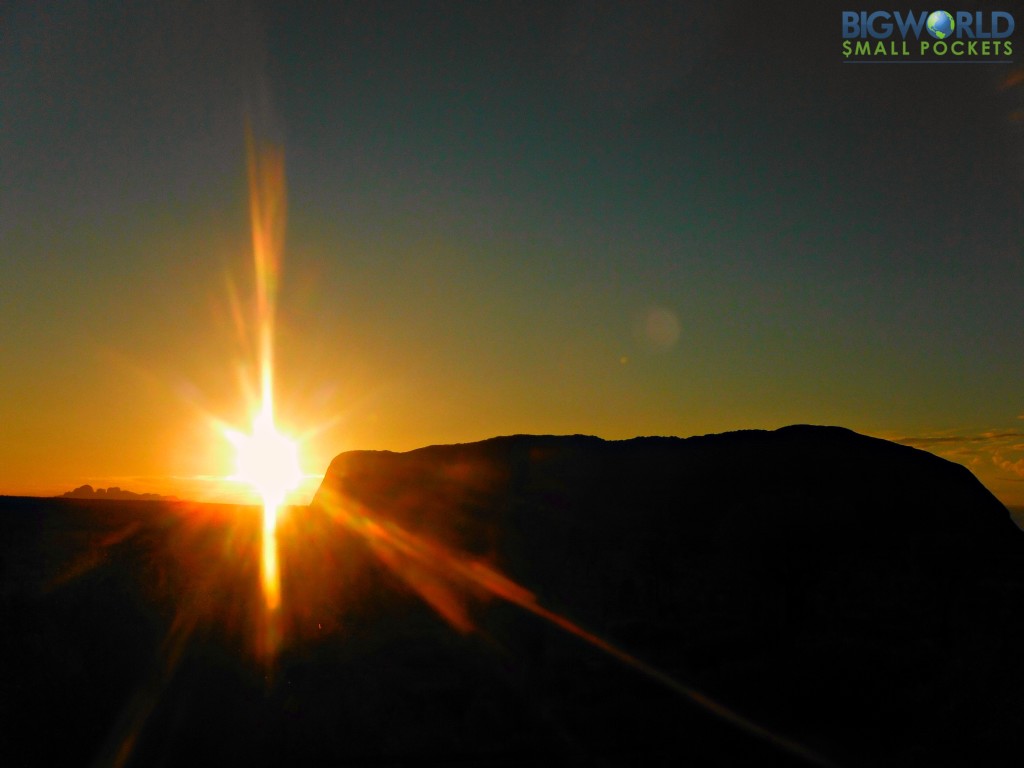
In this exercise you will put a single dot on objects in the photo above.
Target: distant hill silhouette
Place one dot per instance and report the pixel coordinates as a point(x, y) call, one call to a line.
point(842, 596)
point(114, 493)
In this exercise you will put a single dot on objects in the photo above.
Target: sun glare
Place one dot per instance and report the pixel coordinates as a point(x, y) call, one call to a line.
point(266, 460)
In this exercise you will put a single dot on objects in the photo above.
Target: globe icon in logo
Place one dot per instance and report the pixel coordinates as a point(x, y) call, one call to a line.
point(940, 25)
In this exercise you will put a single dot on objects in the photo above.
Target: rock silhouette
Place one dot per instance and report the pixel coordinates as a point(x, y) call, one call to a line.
point(113, 493)
point(852, 601)
point(857, 594)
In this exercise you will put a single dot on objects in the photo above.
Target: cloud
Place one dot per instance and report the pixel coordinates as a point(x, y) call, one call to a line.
point(1002, 449)
point(954, 439)
point(1015, 467)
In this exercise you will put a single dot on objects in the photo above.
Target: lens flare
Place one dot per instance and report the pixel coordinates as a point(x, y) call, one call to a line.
point(266, 459)
point(269, 462)
point(449, 580)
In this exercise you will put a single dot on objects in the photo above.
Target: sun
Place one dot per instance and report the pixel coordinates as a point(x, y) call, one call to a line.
point(266, 460)
point(269, 462)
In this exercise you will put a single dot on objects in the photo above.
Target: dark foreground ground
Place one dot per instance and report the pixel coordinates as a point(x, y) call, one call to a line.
point(858, 601)
point(134, 633)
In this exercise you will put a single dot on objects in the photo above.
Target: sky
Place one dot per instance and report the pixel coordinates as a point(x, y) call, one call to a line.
point(504, 217)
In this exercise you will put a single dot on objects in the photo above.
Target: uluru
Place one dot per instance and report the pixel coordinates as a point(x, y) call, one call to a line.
point(797, 597)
